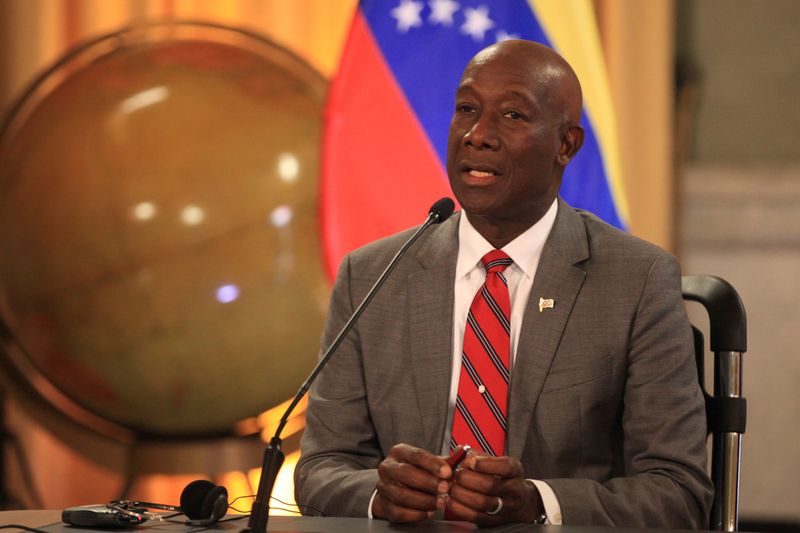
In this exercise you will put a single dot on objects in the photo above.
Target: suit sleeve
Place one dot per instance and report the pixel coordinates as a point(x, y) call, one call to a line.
point(663, 423)
point(337, 471)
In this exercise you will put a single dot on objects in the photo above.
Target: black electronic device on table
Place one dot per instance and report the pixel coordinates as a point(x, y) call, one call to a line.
point(102, 516)
point(203, 503)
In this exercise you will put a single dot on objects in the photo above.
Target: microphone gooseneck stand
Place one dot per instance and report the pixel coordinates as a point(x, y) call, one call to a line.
point(273, 455)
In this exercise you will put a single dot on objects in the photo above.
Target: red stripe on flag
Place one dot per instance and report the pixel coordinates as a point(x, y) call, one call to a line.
point(380, 174)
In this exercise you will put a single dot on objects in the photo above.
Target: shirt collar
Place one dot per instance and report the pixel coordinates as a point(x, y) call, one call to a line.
point(524, 250)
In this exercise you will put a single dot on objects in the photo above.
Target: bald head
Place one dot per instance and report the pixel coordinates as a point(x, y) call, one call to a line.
point(551, 77)
point(515, 127)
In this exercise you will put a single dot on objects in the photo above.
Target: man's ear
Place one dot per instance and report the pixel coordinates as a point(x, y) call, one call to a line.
point(571, 142)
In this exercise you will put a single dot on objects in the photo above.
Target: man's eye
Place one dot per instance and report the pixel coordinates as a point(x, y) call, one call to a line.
point(464, 108)
point(513, 115)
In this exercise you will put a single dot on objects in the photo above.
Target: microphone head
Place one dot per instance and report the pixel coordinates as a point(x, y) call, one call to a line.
point(441, 210)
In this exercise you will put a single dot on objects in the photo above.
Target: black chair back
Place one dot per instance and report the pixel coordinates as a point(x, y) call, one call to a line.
point(726, 409)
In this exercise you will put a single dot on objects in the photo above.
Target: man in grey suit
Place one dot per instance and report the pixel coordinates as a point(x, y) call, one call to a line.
point(606, 423)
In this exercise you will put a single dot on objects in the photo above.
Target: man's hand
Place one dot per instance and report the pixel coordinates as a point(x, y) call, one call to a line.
point(411, 484)
point(491, 490)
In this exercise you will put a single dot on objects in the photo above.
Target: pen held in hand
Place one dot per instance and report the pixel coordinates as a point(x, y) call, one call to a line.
point(457, 456)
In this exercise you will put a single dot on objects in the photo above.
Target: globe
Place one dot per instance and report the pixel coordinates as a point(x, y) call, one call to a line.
point(160, 261)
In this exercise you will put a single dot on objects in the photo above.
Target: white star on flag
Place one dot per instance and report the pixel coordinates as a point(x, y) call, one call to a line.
point(407, 13)
point(503, 35)
point(442, 11)
point(477, 23)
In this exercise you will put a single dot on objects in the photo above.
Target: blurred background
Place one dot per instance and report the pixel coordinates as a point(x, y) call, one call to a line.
point(153, 327)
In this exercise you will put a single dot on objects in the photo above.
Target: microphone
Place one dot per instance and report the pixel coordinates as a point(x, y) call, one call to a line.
point(273, 455)
point(441, 210)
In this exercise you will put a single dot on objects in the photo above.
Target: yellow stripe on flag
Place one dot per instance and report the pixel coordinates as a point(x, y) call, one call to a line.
point(572, 28)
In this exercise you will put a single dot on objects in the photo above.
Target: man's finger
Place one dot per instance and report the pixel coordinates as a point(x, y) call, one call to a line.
point(392, 471)
point(425, 460)
point(478, 482)
point(476, 496)
point(407, 489)
point(382, 508)
point(403, 496)
point(472, 506)
point(505, 467)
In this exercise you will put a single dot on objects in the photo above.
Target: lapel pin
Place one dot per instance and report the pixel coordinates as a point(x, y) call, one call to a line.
point(546, 303)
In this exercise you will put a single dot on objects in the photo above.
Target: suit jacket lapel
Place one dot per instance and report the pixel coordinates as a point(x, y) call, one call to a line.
point(430, 307)
point(558, 279)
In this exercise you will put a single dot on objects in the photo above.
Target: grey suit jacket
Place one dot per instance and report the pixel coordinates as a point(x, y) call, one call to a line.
point(604, 400)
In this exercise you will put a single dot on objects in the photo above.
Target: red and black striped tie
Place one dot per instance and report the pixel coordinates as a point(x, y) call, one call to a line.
point(482, 402)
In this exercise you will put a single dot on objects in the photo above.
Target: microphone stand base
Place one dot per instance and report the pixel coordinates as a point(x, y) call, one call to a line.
point(259, 513)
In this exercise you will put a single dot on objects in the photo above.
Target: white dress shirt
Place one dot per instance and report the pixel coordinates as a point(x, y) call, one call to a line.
point(525, 251)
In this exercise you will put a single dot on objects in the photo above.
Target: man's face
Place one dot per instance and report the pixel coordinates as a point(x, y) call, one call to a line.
point(504, 141)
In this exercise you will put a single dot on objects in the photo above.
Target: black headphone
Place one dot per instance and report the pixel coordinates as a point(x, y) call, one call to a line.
point(203, 502)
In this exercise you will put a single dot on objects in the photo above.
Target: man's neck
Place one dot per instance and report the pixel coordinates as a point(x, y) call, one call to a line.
point(501, 232)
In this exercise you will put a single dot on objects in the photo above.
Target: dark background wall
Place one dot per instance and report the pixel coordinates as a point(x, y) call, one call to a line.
point(740, 215)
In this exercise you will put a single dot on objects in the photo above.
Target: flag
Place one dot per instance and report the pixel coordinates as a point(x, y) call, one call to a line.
point(389, 107)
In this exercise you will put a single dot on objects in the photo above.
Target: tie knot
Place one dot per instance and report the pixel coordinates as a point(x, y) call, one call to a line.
point(496, 261)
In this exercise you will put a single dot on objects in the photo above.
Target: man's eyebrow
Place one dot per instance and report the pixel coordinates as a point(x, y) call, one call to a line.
point(513, 93)
point(464, 88)
point(522, 96)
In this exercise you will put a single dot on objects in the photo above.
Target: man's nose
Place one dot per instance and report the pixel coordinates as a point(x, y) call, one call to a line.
point(482, 135)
